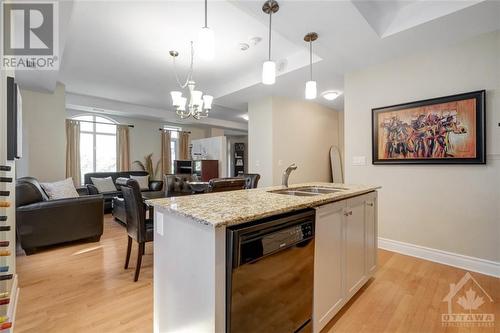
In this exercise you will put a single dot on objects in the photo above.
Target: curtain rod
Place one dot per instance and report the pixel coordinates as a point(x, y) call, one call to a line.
point(171, 130)
point(99, 122)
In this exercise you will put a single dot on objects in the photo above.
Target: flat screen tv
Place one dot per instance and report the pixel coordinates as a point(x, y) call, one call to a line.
point(14, 121)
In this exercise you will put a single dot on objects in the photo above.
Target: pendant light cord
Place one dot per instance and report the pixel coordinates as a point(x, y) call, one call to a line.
point(311, 58)
point(189, 76)
point(270, 23)
point(206, 13)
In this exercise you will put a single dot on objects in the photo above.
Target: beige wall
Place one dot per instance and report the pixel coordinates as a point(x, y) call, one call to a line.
point(282, 131)
point(44, 136)
point(303, 133)
point(260, 140)
point(447, 207)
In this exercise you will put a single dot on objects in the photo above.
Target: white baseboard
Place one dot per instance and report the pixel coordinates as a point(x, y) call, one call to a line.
point(479, 265)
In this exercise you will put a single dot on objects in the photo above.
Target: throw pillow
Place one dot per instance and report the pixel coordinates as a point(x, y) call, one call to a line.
point(60, 190)
point(142, 180)
point(104, 184)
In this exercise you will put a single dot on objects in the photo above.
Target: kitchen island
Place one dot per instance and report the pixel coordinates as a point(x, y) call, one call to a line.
point(190, 246)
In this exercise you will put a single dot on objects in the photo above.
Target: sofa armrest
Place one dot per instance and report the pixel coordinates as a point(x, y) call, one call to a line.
point(155, 185)
point(92, 190)
point(83, 190)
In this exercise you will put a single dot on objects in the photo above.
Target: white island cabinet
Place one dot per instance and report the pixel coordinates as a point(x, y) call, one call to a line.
point(190, 259)
point(345, 253)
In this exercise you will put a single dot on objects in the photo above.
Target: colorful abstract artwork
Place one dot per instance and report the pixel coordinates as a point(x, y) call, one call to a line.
point(442, 130)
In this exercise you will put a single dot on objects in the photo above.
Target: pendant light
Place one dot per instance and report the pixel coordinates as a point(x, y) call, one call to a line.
point(269, 66)
point(206, 39)
point(311, 90)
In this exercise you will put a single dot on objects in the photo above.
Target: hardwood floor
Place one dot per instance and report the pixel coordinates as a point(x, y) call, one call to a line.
point(84, 288)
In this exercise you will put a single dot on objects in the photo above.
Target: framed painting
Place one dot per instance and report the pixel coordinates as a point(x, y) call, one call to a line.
point(444, 130)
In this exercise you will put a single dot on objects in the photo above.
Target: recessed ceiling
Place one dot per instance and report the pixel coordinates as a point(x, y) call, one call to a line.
point(390, 17)
point(118, 50)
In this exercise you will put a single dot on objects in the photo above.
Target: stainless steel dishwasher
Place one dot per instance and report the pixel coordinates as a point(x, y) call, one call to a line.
point(270, 271)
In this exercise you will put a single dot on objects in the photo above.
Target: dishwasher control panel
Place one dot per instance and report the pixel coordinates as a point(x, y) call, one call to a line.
point(252, 248)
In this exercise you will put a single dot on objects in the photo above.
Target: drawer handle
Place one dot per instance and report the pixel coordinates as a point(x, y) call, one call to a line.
point(370, 204)
point(348, 213)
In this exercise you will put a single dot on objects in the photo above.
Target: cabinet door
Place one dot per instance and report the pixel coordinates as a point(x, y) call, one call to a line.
point(355, 245)
point(371, 233)
point(328, 263)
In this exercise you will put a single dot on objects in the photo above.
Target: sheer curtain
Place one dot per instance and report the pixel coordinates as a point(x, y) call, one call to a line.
point(184, 146)
point(73, 151)
point(166, 160)
point(122, 148)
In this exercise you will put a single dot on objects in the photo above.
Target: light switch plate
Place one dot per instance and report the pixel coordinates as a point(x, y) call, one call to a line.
point(358, 160)
point(159, 223)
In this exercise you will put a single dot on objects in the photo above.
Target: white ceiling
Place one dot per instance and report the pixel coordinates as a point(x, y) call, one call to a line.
point(118, 50)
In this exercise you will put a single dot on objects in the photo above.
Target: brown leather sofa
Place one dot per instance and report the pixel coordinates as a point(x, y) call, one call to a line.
point(41, 222)
point(154, 185)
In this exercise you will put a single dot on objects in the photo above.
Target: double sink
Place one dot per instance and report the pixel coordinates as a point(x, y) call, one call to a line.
point(309, 191)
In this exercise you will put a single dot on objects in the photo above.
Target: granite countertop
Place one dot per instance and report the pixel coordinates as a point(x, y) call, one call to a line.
point(236, 207)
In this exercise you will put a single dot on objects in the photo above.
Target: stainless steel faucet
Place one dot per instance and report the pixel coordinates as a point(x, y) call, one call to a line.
point(286, 174)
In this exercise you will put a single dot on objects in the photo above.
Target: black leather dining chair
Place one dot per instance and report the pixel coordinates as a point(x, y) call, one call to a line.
point(251, 180)
point(226, 184)
point(139, 228)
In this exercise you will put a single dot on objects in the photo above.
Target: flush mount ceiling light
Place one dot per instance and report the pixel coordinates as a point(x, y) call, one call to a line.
point(199, 104)
point(311, 90)
point(330, 95)
point(206, 39)
point(269, 66)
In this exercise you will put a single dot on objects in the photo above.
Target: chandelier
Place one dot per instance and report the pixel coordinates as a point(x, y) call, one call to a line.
point(199, 105)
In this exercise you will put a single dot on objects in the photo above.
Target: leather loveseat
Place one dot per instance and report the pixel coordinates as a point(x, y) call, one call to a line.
point(154, 185)
point(41, 222)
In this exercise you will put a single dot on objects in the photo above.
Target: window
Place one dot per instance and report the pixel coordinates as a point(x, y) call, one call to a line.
point(174, 143)
point(97, 144)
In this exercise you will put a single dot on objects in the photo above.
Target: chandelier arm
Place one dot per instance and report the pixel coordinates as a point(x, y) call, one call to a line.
point(189, 76)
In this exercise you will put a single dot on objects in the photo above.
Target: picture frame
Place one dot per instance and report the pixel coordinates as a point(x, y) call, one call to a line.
point(442, 130)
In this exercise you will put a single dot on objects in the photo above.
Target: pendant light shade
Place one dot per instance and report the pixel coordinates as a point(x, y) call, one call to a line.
point(269, 72)
point(269, 67)
point(311, 89)
point(206, 40)
point(206, 43)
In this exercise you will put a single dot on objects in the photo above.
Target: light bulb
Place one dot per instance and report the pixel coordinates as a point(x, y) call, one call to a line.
point(206, 41)
point(176, 95)
point(311, 90)
point(269, 72)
